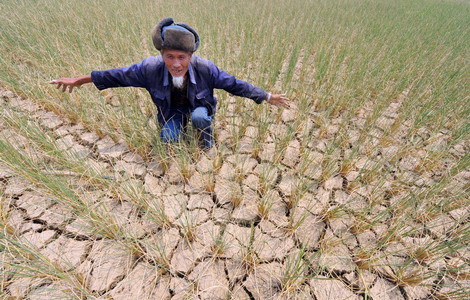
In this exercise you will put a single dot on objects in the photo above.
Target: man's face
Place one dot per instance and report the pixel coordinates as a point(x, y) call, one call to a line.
point(176, 61)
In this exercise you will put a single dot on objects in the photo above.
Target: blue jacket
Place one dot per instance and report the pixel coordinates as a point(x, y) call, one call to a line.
point(152, 74)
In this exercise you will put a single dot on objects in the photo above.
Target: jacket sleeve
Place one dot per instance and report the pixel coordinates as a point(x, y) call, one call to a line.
point(127, 76)
point(225, 81)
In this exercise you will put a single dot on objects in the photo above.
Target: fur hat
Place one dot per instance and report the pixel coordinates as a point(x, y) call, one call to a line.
point(178, 36)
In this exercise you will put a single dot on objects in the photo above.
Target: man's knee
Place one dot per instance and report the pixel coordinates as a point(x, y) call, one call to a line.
point(169, 136)
point(170, 132)
point(200, 118)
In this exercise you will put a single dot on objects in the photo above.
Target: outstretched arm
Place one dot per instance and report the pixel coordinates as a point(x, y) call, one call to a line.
point(223, 80)
point(127, 76)
point(70, 83)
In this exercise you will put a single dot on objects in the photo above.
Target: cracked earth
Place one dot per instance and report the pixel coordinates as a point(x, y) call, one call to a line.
point(247, 223)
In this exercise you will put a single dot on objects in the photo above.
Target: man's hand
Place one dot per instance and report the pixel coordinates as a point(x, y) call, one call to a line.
point(70, 83)
point(278, 100)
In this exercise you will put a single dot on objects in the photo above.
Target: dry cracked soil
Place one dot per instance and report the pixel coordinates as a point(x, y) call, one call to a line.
point(232, 228)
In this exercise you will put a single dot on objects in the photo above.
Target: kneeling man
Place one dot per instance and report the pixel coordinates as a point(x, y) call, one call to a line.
point(181, 84)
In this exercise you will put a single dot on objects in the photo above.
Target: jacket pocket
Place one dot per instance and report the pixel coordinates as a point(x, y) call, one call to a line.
point(202, 94)
point(158, 95)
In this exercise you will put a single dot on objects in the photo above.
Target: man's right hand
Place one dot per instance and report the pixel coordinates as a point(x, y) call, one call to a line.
point(70, 83)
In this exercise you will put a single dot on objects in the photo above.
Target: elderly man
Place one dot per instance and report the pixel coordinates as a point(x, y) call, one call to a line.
point(181, 84)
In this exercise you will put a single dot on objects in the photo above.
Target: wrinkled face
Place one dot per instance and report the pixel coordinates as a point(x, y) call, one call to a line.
point(176, 61)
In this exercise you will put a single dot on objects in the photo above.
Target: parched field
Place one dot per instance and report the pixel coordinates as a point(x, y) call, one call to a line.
point(360, 190)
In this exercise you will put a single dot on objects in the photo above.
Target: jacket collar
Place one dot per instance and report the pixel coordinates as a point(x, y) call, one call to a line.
point(165, 75)
point(192, 78)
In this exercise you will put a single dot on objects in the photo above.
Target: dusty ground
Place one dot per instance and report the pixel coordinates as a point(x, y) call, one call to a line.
point(213, 245)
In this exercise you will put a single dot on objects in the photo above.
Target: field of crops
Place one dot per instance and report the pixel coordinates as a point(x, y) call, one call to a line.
point(359, 190)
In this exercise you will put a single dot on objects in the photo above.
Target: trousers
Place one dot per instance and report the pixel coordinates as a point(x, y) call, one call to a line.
point(200, 119)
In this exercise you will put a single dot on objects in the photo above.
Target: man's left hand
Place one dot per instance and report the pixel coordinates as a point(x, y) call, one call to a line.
point(279, 100)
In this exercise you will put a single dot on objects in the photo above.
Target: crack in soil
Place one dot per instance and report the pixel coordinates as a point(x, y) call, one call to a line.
point(340, 275)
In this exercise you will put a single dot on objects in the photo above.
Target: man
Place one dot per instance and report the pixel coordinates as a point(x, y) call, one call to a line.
point(181, 84)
